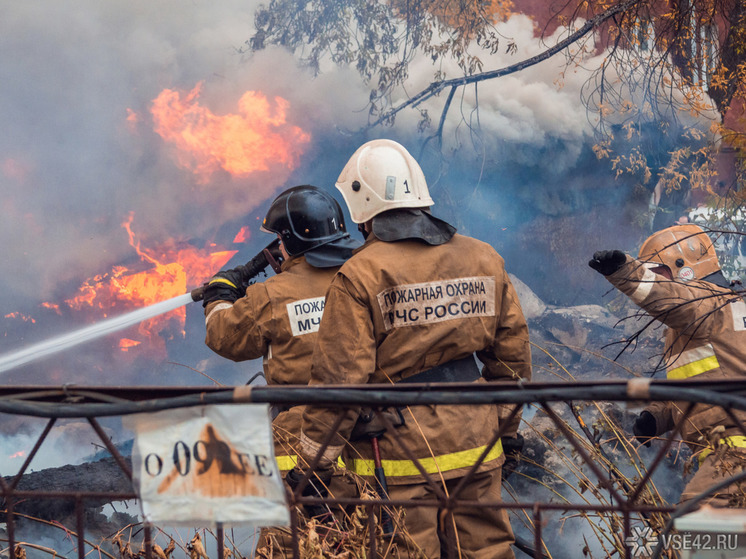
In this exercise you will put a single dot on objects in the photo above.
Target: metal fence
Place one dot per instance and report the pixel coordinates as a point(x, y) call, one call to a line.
point(93, 403)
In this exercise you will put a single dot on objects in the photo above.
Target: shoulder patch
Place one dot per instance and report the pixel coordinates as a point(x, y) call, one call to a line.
point(305, 315)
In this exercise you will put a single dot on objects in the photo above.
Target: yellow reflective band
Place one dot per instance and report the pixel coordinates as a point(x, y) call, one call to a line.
point(287, 463)
point(694, 368)
point(736, 441)
point(222, 280)
point(443, 463)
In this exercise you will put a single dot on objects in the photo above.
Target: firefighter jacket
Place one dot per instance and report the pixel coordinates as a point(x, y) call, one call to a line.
point(399, 308)
point(705, 339)
point(278, 320)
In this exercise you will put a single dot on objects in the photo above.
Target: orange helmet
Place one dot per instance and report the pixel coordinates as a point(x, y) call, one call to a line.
point(685, 249)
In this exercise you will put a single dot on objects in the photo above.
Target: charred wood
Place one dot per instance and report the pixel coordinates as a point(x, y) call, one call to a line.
point(102, 476)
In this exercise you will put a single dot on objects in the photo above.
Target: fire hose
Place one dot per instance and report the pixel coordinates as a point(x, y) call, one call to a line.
point(268, 256)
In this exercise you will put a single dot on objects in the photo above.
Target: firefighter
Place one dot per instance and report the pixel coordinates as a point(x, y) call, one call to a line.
point(416, 303)
point(677, 279)
point(278, 319)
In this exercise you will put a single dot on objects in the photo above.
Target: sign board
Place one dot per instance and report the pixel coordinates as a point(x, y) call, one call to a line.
point(208, 465)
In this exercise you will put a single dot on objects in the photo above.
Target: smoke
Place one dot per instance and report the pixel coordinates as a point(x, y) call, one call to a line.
point(519, 113)
point(80, 152)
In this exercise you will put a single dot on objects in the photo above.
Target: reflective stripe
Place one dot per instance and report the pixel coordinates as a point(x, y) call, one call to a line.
point(442, 463)
point(643, 288)
point(694, 362)
point(223, 280)
point(694, 369)
point(736, 441)
point(287, 463)
point(216, 308)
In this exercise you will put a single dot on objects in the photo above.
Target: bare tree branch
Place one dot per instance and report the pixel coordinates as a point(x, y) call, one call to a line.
point(436, 87)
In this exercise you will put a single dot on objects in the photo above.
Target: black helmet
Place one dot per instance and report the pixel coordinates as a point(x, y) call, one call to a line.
point(307, 218)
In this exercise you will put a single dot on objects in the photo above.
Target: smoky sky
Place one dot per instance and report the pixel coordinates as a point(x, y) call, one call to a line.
point(79, 154)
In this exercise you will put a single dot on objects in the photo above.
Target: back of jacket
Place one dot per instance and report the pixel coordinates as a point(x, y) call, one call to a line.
point(278, 320)
point(705, 339)
point(399, 308)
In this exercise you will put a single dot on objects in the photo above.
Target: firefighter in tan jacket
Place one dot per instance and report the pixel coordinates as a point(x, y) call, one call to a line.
point(414, 304)
point(279, 318)
point(678, 281)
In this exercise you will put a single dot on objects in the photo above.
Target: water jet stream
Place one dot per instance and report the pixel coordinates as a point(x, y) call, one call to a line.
point(66, 341)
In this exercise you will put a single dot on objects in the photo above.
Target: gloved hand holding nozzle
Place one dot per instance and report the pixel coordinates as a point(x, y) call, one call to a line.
point(230, 285)
point(226, 285)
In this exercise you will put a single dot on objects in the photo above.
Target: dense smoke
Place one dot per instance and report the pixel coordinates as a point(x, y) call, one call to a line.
point(80, 152)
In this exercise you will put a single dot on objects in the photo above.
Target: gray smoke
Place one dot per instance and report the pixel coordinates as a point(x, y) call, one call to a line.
point(72, 167)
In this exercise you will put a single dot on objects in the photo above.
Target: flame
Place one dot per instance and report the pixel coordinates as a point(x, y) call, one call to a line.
point(22, 316)
point(126, 343)
point(19, 454)
point(243, 235)
point(252, 140)
point(51, 306)
point(172, 268)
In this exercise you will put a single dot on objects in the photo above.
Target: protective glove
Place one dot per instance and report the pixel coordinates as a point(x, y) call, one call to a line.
point(226, 285)
point(607, 262)
point(317, 486)
point(512, 447)
point(645, 427)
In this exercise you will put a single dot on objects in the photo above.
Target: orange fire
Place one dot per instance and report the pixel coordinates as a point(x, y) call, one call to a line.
point(19, 454)
point(172, 271)
point(243, 235)
point(255, 139)
point(22, 316)
point(126, 343)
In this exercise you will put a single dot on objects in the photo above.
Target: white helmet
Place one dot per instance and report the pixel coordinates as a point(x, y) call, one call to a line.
point(382, 175)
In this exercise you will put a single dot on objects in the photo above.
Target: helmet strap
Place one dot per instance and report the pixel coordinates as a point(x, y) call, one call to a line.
point(363, 230)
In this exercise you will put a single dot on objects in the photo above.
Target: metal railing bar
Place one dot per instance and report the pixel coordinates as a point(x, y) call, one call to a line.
point(121, 462)
point(385, 396)
point(30, 457)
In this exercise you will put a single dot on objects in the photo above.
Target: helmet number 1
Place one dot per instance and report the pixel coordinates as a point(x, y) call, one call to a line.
point(406, 188)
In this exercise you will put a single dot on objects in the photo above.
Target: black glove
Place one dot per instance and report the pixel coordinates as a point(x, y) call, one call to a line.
point(512, 447)
point(607, 262)
point(226, 285)
point(645, 427)
point(317, 486)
